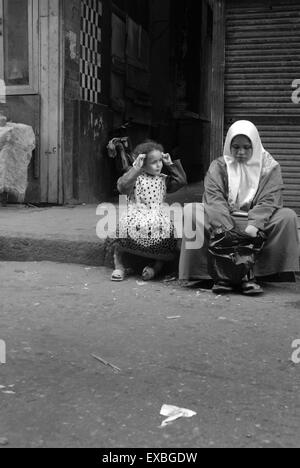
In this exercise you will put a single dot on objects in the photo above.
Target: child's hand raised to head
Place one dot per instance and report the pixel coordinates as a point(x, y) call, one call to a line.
point(167, 160)
point(140, 161)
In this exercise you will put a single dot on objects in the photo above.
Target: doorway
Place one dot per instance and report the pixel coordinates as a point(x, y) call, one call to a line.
point(30, 69)
point(161, 76)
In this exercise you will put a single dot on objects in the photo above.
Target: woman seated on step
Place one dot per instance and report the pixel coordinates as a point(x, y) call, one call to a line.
point(246, 180)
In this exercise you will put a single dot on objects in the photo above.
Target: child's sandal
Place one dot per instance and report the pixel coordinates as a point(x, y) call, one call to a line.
point(118, 275)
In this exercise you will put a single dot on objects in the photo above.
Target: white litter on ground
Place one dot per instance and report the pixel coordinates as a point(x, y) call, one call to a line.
point(172, 413)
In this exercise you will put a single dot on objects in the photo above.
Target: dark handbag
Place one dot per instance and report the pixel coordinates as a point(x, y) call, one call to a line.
point(232, 255)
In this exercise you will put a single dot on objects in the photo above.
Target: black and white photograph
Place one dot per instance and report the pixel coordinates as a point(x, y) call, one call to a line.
point(149, 227)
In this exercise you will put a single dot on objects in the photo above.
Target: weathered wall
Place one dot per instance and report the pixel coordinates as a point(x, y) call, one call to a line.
point(92, 181)
point(72, 15)
point(87, 172)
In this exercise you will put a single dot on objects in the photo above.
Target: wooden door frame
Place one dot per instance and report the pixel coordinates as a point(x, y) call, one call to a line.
point(218, 80)
point(1, 41)
point(51, 90)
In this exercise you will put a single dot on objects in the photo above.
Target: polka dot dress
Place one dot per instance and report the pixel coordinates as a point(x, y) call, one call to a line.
point(147, 230)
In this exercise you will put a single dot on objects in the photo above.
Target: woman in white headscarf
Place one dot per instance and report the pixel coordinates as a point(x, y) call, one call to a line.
point(244, 189)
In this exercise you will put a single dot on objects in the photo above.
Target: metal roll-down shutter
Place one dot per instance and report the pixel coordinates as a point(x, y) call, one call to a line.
point(262, 63)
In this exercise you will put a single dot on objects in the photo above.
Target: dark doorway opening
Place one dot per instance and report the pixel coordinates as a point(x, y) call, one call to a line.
point(161, 76)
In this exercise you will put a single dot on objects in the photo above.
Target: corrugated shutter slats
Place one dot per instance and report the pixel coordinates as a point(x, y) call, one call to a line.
point(262, 61)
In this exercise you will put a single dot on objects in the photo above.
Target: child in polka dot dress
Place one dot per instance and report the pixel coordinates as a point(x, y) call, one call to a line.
point(147, 231)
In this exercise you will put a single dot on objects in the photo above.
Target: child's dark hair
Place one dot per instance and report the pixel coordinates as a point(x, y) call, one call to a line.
point(147, 147)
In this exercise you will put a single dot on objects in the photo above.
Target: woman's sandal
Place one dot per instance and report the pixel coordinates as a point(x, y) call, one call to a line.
point(222, 288)
point(251, 288)
point(148, 273)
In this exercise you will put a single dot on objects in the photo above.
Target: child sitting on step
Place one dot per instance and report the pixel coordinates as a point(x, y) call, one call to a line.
point(146, 230)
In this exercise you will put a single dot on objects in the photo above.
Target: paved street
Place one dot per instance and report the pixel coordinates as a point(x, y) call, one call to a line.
point(227, 358)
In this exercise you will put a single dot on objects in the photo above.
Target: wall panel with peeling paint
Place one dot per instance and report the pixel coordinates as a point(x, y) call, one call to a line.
point(71, 14)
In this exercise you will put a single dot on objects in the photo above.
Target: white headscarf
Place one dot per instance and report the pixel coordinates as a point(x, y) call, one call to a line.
point(244, 177)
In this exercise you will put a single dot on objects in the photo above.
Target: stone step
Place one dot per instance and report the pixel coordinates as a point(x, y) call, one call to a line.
point(64, 235)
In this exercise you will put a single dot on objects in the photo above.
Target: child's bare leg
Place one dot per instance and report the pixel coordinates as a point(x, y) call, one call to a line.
point(119, 272)
point(150, 273)
point(118, 258)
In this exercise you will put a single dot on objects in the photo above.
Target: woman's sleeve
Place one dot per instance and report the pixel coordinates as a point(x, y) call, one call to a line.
point(215, 202)
point(127, 182)
point(269, 200)
point(176, 177)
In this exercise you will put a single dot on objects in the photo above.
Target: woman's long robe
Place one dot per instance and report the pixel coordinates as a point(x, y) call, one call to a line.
point(281, 252)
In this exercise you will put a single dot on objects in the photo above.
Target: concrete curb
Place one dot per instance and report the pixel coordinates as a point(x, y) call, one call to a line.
point(95, 254)
point(60, 251)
